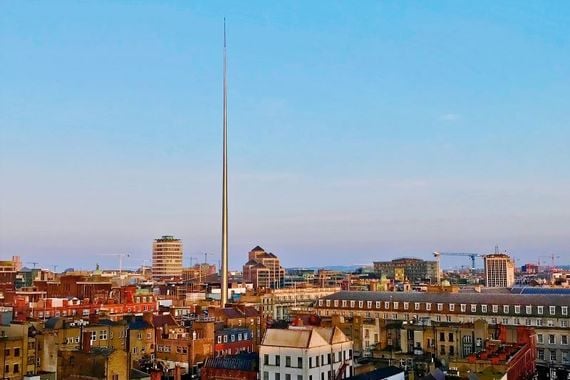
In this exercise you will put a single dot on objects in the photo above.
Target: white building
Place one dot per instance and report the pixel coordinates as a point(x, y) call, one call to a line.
point(305, 353)
point(499, 271)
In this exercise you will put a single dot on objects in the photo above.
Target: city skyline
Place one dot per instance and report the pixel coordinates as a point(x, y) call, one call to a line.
point(357, 134)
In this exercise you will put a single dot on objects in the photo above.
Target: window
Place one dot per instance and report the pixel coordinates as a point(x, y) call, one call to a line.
point(450, 337)
point(16, 353)
point(277, 360)
point(473, 308)
point(277, 376)
point(417, 306)
point(317, 361)
point(483, 308)
point(539, 322)
point(451, 351)
point(517, 321)
point(396, 305)
point(540, 309)
point(219, 339)
point(563, 323)
point(369, 304)
point(505, 321)
point(442, 337)
point(506, 309)
point(495, 308)
point(451, 307)
point(287, 361)
point(551, 339)
point(528, 309)
point(265, 375)
point(442, 349)
point(386, 305)
point(378, 303)
point(552, 310)
point(287, 376)
point(310, 362)
point(266, 359)
point(299, 377)
point(463, 308)
point(564, 310)
point(540, 354)
point(540, 338)
point(16, 368)
point(93, 336)
point(352, 303)
point(406, 305)
point(552, 356)
point(564, 339)
point(428, 306)
point(103, 334)
point(344, 303)
point(328, 303)
point(335, 303)
point(299, 362)
point(517, 309)
point(439, 307)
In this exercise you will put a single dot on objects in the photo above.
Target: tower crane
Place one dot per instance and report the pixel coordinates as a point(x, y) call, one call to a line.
point(551, 257)
point(472, 256)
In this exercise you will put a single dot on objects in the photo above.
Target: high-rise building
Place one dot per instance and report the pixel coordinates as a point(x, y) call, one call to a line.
point(263, 269)
point(499, 270)
point(166, 257)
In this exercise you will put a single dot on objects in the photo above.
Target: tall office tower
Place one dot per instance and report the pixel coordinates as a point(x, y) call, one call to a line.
point(263, 269)
point(499, 270)
point(166, 257)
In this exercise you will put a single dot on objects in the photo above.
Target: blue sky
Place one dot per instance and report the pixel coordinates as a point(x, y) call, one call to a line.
point(359, 132)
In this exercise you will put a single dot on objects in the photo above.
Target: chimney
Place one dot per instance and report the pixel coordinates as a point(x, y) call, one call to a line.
point(177, 373)
point(86, 341)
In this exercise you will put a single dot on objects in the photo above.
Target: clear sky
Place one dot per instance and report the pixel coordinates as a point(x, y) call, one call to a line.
point(359, 131)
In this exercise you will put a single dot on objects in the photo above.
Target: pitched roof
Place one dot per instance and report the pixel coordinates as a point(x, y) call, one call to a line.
point(242, 362)
point(378, 374)
point(303, 337)
point(163, 319)
point(490, 298)
point(331, 335)
point(257, 249)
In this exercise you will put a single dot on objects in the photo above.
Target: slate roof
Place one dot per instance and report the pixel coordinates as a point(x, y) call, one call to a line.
point(139, 324)
point(378, 374)
point(241, 362)
point(484, 298)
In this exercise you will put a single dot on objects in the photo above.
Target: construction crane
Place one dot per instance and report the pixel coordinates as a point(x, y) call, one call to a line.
point(34, 263)
point(551, 257)
point(437, 254)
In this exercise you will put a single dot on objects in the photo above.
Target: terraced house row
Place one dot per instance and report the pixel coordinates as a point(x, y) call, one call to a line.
point(547, 314)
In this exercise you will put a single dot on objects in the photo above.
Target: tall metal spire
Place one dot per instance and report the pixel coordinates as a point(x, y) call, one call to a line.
point(224, 269)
